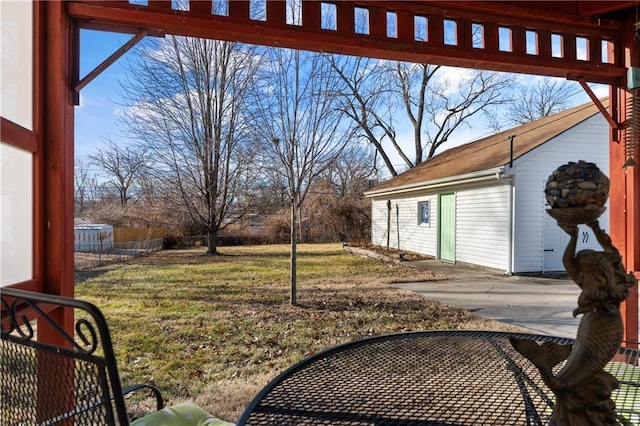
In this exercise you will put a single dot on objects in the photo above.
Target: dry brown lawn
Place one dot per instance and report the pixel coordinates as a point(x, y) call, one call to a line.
point(216, 329)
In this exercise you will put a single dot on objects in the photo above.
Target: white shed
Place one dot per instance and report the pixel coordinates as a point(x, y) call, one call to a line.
point(483, 203)
point(93, 238)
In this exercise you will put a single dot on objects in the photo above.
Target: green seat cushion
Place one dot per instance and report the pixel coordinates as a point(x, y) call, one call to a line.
point(185, 414)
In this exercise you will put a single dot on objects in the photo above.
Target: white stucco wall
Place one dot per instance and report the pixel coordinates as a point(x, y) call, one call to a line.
point(16, 217)
point(16, 64)
point(586, 141)
point(16, 174)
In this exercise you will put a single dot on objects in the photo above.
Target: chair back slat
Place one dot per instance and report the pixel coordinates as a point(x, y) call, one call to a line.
point(58, 376)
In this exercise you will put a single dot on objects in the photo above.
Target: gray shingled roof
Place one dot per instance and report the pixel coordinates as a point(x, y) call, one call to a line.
point(492, 151)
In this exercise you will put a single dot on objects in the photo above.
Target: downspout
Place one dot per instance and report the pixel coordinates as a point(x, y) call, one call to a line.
point(512, 212)
point(398, 227)
point(388, 223)
point(512, 221)
point(511, 138)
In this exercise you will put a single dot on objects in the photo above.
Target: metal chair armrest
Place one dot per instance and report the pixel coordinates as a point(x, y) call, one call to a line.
point(155, 390)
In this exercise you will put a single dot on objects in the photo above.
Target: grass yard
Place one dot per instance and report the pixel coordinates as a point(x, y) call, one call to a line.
point(216, 329)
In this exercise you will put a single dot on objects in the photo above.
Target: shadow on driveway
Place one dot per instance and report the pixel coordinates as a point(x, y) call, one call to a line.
point(541, 304)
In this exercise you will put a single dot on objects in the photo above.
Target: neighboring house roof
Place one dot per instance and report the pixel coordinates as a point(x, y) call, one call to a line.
point(492, 151)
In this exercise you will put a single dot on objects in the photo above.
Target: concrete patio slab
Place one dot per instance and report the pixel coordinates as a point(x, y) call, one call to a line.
point(543, 305)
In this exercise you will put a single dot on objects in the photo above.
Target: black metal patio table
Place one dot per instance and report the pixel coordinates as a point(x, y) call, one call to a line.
point(422, 378)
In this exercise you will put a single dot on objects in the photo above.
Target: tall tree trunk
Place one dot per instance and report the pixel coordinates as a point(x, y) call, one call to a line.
point(302, 236)
point(212, 241)
point(294, 239)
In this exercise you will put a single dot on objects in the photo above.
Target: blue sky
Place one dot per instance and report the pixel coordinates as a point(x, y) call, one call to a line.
point(96, 117)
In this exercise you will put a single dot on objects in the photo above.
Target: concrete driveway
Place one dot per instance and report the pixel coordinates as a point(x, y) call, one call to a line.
point(543, 305)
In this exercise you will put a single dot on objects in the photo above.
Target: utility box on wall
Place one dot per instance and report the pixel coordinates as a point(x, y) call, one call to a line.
point(93, 238)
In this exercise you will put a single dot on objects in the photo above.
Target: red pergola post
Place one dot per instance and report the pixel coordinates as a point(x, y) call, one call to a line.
point(625, 190)
point(56, 190)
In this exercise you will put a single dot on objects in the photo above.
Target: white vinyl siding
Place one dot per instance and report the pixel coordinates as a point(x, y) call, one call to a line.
point(482, 225)
point(586, 141)
point(495, 215)
point(414, 237)
point(482, 236)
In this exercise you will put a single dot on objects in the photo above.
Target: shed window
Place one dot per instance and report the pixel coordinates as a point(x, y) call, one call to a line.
point(423, 212)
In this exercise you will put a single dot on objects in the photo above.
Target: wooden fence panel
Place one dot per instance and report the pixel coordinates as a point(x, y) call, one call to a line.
point(123, 235)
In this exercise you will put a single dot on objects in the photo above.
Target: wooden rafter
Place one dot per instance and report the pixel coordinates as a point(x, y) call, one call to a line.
point(531, 50)
point(109, 61)
point(605, 113)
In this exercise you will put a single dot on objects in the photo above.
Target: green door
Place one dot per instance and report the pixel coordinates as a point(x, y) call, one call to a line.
point(447, 227)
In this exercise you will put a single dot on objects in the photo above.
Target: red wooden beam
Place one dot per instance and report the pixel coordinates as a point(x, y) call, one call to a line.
point(107, 62)
point(518, 41)
point(311, 14)
point(624, 201)
point(435, 24)
point(632, 199)
point(276, 11)
point(346, 18)
point(544, 43)
point(595, 48)
point(404, 26)
point(57, 194)
point(568, 47)
point(605, 113)
point(624, 195)
point(378, 22)
point(55, 198)
point(594, 8)
point(201, 6)
point(163, 4)
point(239, 9)
point(39, 114)
point(18, 136)
point(276, 33)
point(464, 34)
point(491, 39)
point(511, 13)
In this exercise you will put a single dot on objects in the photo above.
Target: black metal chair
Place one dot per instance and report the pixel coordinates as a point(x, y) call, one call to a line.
point(69, 378)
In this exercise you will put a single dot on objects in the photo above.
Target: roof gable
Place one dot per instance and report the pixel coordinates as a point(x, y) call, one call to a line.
point(492, 151)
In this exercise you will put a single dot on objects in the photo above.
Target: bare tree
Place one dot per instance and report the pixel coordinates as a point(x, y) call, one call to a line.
point(121, 166)
point(297, 120)
point(436, 100)
point(339, 195)
point(85, 187)
point(546, 97)
point(365, 100)
point(332, 217)
point(352, 171)
point(186, 98)
point(533, 99)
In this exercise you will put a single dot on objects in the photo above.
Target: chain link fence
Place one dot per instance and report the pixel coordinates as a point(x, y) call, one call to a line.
point(90, 257)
